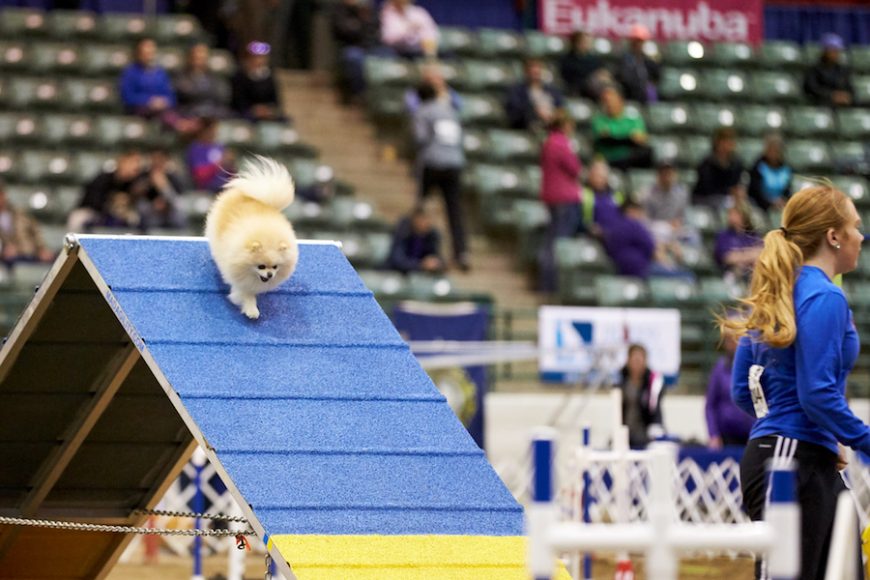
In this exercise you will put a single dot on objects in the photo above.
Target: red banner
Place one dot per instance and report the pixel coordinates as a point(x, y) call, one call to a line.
point(716, 20)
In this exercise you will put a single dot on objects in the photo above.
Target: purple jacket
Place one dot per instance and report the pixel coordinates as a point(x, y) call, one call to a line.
point(630, 245)
point(729, 240)
point(723, 416)
point(560, 171)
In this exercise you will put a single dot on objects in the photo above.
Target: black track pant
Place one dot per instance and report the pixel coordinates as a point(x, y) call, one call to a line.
point(449, 182)
point(819, 486)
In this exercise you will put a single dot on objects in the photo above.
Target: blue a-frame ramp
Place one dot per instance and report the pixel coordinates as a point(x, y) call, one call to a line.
point(337, 446)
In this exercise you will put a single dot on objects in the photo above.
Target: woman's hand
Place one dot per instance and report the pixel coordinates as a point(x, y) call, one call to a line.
point(842, 462)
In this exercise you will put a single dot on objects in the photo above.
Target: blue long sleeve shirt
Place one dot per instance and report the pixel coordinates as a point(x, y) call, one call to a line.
point(139, 84)
point(805, 383)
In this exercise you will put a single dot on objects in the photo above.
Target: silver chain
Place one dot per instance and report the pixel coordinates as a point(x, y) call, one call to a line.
point(172, 514)
point(58, 525)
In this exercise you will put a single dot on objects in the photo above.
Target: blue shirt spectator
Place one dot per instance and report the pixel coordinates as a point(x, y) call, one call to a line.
point(416, 245)
point(145, 87)
point(770, 177)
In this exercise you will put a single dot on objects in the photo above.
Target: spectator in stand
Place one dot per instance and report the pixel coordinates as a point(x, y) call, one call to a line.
point(629, 243)
point(560, 192)
point(20, 238)
point(620, 137)
point(109, 197)
point(355, 30)
point(416, 245)
point(665, 203)
point(200, 92)
point(737, 247)
point(727, 424)
point(638, 73)
point(720, 173)
point(770, 177)
point(829, 82)
point(255, 96)
point(432, 76)
point(531, 103)
point(408, 29)
point(209, 162)
point(599, 201)
point(146, 89)
point(440, 160)
point(642, 391)
point(583, 72)
point(160, 187)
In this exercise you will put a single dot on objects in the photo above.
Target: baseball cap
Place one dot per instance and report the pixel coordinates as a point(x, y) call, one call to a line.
point(639, 32)
point(831, 40)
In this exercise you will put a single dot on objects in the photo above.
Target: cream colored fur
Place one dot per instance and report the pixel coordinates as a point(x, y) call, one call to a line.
point(251, 241)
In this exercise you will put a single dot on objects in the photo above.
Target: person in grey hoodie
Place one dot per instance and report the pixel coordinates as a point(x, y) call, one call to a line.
point(440, 159)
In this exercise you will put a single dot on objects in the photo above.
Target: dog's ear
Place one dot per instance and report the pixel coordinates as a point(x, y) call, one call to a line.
point(255, 247)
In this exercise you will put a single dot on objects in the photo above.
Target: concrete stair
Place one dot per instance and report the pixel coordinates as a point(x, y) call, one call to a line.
point(348, 142)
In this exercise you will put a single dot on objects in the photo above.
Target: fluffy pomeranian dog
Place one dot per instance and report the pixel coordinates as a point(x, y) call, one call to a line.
point(252, 243)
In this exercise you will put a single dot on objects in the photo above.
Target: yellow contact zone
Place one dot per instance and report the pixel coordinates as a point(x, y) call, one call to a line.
point(406, 557)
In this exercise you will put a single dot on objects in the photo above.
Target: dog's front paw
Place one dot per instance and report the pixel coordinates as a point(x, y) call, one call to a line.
point(250, 310)
point(235, 298)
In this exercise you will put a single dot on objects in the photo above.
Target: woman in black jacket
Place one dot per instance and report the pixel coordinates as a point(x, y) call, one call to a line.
point(642, 392)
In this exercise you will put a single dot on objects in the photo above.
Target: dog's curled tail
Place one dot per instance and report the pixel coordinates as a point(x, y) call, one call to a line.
point(265, 180)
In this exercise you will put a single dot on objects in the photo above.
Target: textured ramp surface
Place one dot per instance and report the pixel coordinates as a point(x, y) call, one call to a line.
point(318, 412)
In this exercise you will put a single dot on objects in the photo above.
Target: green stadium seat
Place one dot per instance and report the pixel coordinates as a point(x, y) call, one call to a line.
point(707, 117)
point(28, 92)
point(172, 58)
point(59, 58)
point(695, 149)
point(195, 204)
point(715, 291)
point(859, 57)
point(124, 27)
point(499, 43)
point(731, 54)
point(88, 164)
point(861, 84)
point(482, 75)
point(640, 180)
point(581, 110)
point(808, 155)
point(859, 295)
point(668, 117)
point(582, 254)
point(181, 29)
point(38, 166)
point(678, 292)
point(277, 136)
point(480, 109)
point(33, 198)
point(5, 94)
point(807, 121)
point(54, 236)
point(310, 172)
point(236, 133)
point(387, 105)
point(779, 54)
point(388, 71)
point(581, 144)
point(679, 83)
point(546, 46)
point(668, 148)
point(621, 291)
point(863, 269)
point(853, 123)
point(760, 119)
point(427, 287)
point(65, 24)
point(506, 181)
point(749, 149)
point(605, 48)
point(15, 56)
point(22, 22)
point(776, 87)
point(221, 62)
point(21, 127)
point(813, 51)
point(857, 188)
point(92, 94)
point(459, 41)
point(683, 53)
point(124, 131)
point(726, 84)
point(27, 275)
point(384, 283)
point(104, 59)
point(703, 219)
point(475, 142)
point(64, 199)
point(850, 157)
point(774, 217)
point(9, 163)
point(507, 145)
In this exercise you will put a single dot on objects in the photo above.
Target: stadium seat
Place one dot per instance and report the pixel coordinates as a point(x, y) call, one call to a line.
point(678, 292)
point(93, 94)
point(668, 117)
point(15, 55)
point(21, 127)
point(507, 145)
point(857, 188)
point(779, 54)
point(859, 295)
point(605, 48)
point(38, 166)
point(807, 122)
point(32, 198)
point(695, 149)
point(221, 62)
point(683, 53)
point(861, 84)
point(621, 291)
point(812, 51)
point(546, 46)
point(28, 92)
point(88, 164)
point(27, 276)
point(21, 22)
point(731, 54)
point(808, 155)
point(499, 43)
point(715, 291)
point(581, 110)
point(384, 283)
point(506, 181)
point(171, 58)
point(428, 287)
point(775, 87)
point(65, 24)
point(65, 198)
point(863, 269)
point(9, 163)
point(582, 254)
point(727, 84)
point(668, 148)
point(5, 96)
point(388, 71)
point(236, 133)
point(113, 131)
point(640, 180)
point(279, 137)
point(482, 75)
point(478, 109)
point(456, 41)
point(703, 219)
point(581, 144)
point(678, 83)
point(180, 29)
point(853, 123)
point(760, 119)
point(104, 59)
point(749, 149)
point(850, 157)
point(60, 58)
point(859, 56)
point(123, 27)
point(707, 117)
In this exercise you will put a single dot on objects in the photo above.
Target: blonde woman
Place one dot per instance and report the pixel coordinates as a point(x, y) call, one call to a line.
point(798, 344)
